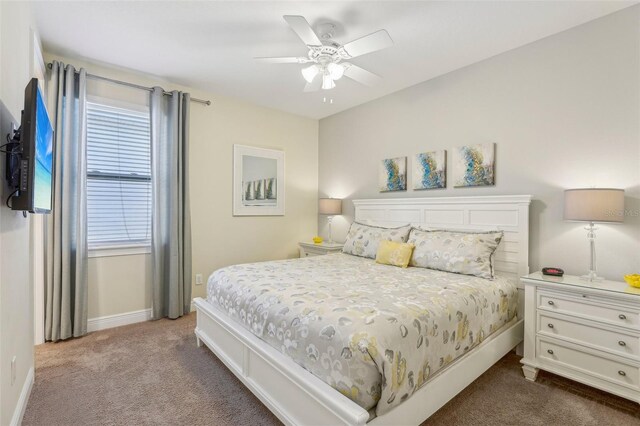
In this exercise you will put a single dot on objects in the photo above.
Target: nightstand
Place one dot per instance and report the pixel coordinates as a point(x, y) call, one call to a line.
point(311, 249)
point(586, 331)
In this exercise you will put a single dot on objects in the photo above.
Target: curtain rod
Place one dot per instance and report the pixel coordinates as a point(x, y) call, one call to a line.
point(135, 86)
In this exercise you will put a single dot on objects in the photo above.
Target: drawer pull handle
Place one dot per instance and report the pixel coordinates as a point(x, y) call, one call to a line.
point(550, 325)
point(622, 316)
point(622, 373)
point(550, 302)
point(550, 351)
point(622, 343)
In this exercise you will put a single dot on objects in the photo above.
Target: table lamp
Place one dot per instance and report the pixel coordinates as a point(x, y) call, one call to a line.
point(594, 205)
point(330, 207)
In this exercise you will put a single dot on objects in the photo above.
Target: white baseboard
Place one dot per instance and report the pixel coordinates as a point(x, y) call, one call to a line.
point(110, 321)
point(21, 407)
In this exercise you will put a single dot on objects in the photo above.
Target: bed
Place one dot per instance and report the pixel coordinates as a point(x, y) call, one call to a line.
point(339, 339)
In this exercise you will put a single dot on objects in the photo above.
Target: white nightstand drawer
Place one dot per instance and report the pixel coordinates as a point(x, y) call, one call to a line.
point(577, 331)
point(307, 249)
point(586, 331)
point(598, 366)
point(590, 307)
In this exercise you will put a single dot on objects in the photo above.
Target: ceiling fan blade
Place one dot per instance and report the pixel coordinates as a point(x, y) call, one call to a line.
point(284, 60)
point(369, 43)
point(315, 85)
point(361, 75)
point(301, 27)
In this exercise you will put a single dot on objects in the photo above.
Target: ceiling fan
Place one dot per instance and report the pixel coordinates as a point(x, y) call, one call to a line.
point(326, 56)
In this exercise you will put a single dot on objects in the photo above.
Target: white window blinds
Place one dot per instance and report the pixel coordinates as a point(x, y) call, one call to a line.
point(118, 176)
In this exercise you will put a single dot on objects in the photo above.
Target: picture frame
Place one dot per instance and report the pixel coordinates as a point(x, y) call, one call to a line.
point(474, 165)
point(430, 170)
point(392, 174)
point(258, 181)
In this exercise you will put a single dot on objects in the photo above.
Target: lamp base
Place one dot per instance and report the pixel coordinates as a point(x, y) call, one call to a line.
point(592, 277)
point(330, 219)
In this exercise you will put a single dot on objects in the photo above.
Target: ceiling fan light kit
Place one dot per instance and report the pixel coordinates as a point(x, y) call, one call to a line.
point(336, 71)
point(310, 73)
point(326, 55)
point(327, 82)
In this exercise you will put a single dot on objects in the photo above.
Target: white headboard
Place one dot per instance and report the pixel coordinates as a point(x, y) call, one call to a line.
point(509, 213)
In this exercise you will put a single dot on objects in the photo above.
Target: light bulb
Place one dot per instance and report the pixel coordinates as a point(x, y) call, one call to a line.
point(335, 70)
point(327, 82)
point(310, 73)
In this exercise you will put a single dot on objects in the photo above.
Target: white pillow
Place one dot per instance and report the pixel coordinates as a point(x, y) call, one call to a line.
point(363, 240)
point(468, 253)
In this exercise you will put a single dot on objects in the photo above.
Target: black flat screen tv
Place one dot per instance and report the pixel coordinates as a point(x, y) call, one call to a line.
point(35, 186)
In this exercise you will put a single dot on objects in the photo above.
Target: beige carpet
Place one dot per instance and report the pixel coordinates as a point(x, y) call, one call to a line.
point(152, 373)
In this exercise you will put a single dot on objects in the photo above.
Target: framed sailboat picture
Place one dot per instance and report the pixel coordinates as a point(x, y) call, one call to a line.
point(258, 181)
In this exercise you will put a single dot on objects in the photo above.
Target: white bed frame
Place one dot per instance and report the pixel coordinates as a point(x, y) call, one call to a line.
point(297, 397)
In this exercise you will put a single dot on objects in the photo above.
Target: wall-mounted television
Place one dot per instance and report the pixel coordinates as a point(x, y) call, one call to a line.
point(31, 162)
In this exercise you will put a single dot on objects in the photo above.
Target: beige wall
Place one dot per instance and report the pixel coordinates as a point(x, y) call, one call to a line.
point(16, 291)
point(122, 283)
point(564, 112)
point(119, 284)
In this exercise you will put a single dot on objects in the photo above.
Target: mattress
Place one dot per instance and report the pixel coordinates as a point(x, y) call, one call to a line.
point(376, 333)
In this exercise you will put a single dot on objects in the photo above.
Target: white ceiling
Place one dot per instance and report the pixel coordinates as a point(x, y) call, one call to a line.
point(211, 45)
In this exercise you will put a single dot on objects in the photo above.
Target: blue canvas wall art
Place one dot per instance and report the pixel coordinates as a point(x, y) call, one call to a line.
point(429, 170)
point(473, 165)
point(393, 174)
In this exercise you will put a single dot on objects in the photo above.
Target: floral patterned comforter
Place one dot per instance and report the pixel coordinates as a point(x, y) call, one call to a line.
point(374, 332)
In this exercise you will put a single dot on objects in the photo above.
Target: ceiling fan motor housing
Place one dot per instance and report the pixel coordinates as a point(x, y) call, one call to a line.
point(326, 30)
point(327, 53)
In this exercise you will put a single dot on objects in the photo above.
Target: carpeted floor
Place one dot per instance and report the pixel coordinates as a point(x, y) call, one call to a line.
point(152, 373)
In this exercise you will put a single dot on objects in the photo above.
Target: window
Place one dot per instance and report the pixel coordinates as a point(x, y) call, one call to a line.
point(118, 177)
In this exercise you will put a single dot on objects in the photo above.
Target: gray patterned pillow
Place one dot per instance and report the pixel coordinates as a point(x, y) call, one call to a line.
point(363, 240)
point(467, 253)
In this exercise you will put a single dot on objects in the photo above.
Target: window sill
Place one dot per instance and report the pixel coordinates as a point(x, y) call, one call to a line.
point(107, 251)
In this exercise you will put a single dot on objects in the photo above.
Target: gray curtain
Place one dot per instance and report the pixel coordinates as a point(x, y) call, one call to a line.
point(66, 227)
point(171, 219)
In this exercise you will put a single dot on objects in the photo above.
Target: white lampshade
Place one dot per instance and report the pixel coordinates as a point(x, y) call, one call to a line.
point(310, 73)
point(327, 82)
point(330, 206)
point(594, 205)
point(335, 71)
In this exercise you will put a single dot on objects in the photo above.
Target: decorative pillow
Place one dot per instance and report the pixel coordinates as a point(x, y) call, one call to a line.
point(467, 253)
point(363, 240)
point(394, 254)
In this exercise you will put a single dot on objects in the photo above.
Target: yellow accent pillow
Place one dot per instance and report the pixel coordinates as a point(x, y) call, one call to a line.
point(395, 254)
